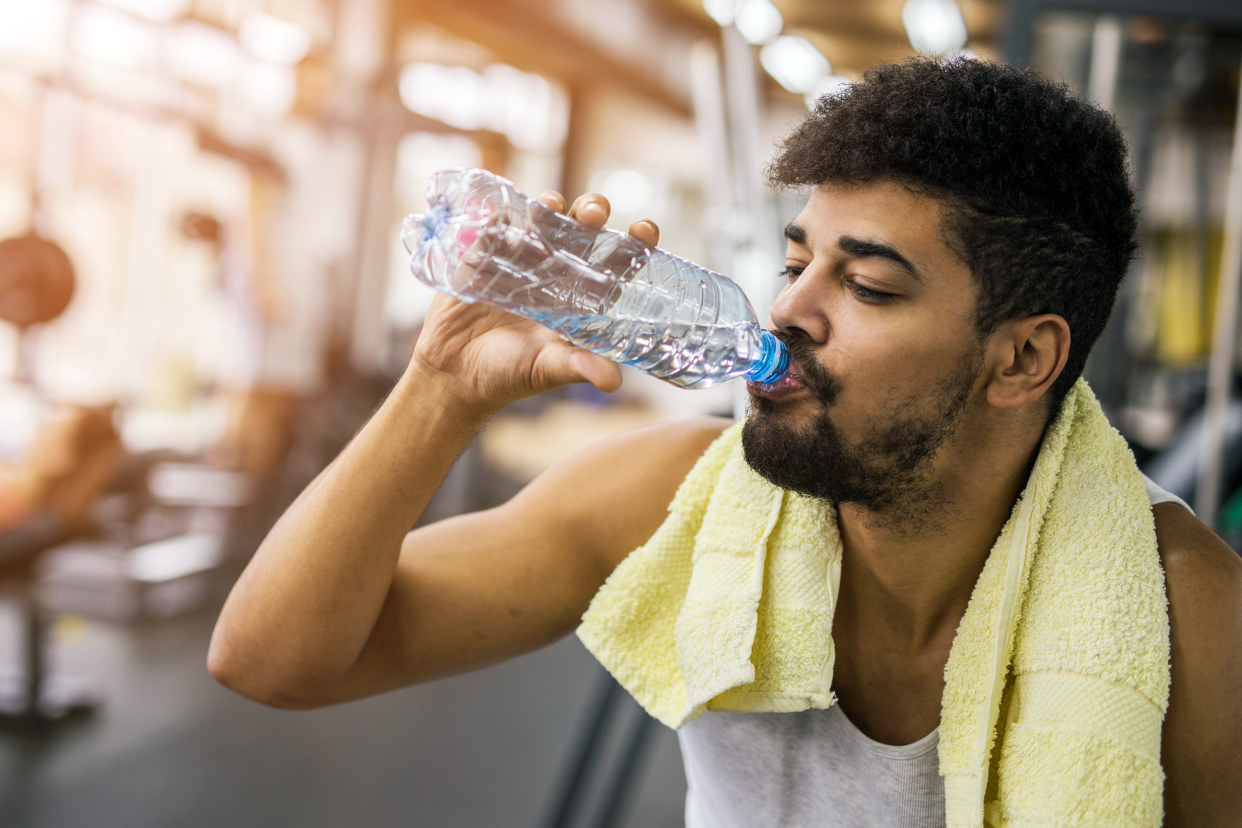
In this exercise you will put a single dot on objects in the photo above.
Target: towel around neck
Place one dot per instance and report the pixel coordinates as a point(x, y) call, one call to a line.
point(1057, 680)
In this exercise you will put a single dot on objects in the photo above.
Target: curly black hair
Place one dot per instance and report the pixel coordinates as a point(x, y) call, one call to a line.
point(1036, 181)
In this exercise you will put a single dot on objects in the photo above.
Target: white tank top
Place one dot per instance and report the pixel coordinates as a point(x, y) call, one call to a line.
point(813, 769)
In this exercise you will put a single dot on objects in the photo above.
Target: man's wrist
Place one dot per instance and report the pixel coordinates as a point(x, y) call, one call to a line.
point(445, 395)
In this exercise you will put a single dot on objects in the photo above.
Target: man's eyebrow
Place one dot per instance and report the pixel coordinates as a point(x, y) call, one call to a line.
point(862, 249)
point(796, 233)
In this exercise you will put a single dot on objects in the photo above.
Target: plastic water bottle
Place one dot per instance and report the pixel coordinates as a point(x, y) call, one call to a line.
point(484, 241)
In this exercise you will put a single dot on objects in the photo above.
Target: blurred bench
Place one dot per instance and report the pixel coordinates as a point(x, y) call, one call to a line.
point(28, 697)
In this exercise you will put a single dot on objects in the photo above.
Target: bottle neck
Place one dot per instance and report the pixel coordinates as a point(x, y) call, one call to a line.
point(773, 359)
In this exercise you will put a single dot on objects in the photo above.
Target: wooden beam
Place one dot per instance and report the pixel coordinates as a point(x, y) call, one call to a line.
point(519, 34)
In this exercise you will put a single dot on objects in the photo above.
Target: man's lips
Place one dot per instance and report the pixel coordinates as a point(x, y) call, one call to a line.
point(789, 385)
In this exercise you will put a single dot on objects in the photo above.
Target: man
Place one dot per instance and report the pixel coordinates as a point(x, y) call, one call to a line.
point(958, 255)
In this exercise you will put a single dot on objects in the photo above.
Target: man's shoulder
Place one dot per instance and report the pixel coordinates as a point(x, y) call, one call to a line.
point(662, 454)
point(1196, 560)
point(690, 437)
point(613, 495)
point(665, 450)
point(1202, 744)
point(668, 448)
point(1203, 581)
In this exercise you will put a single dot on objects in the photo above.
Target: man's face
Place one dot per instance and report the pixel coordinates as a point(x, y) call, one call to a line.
point(878, 314)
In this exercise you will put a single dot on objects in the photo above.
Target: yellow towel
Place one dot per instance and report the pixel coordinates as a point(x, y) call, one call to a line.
point(1057, 681)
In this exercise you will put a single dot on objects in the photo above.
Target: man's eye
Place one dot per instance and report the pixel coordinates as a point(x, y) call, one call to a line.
point(866, 294)
point(791, 273)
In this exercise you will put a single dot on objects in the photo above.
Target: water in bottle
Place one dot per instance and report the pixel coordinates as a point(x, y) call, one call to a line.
point(483, 240)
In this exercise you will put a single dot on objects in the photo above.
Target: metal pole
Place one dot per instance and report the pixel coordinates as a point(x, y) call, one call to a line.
point(586, 756)
point(1224, 339)
point(375, 217)
point(1105, 61)
point(1109, 368)
point(627, 774)
point(742, 88)
point(757, 248)
point(35, 667)
point(712, 129)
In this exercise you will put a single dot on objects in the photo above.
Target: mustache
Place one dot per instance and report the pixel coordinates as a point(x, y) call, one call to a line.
point(823, 383)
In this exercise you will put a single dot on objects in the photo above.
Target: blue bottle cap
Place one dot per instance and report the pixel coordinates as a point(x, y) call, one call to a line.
point(773, 359)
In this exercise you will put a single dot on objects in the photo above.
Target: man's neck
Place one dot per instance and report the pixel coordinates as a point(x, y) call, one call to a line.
point(915, 585)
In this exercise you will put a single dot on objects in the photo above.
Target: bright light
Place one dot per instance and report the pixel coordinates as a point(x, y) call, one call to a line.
point(201, 54)
point(722, 11)
point(110, 36)
point(795, 63)
point(531, 112)
point(456, 95)
point(935, 27)
point(526, 108)
point(33, 32)
point(175, 558)
point(629, 191)
point(758, 21)
point(421, 153)
point(274, 40)
point(161, 11)
point(266, 89)
point(826, 86)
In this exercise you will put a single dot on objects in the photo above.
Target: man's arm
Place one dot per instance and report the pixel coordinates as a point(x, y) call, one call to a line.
point(477, 589)
point(338, 602)
point(1202, 739)
point(464, 593)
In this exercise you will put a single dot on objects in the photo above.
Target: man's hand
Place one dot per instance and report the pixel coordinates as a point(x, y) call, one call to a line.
point(489, 358)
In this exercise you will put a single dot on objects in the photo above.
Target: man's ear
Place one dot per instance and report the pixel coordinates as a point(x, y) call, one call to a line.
point(1026, 357)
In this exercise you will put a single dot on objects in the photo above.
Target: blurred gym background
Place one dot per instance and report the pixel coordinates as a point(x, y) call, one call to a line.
point(203, 297)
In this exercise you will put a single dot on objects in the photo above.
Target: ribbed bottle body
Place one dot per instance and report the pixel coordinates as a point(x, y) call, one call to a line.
point(483, 240)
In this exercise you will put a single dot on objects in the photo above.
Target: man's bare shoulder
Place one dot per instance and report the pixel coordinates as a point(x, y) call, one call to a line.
point(1202, 744)
point(613, 495)
point(1203, 581)
point(670, 448)
point(1197, 562)
point(663, 451)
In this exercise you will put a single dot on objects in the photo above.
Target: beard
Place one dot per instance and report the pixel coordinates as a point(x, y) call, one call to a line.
point(888, 472)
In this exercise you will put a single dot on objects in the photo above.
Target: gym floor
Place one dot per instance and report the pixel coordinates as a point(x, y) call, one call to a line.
point(169, 748)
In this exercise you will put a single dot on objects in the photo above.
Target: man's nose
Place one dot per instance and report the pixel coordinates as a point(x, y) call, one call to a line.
point(802, 306)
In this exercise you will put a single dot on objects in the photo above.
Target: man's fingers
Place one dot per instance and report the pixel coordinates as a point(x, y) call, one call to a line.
point(601, 372)
point(645, 231)
point(592, 209)
point(553, 199)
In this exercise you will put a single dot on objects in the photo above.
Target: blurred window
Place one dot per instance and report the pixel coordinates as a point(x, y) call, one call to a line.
point(266, 89)
point(32, 34)
point(418, 156)
point(272, 39)
point(528, 109)
point(113, 37)
point(201, 54)
point(161, 11)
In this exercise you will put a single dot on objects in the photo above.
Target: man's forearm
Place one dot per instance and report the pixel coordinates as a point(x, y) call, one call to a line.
point(307, 602)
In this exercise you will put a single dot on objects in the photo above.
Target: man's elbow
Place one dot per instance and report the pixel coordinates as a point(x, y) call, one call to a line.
point(235, 673)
